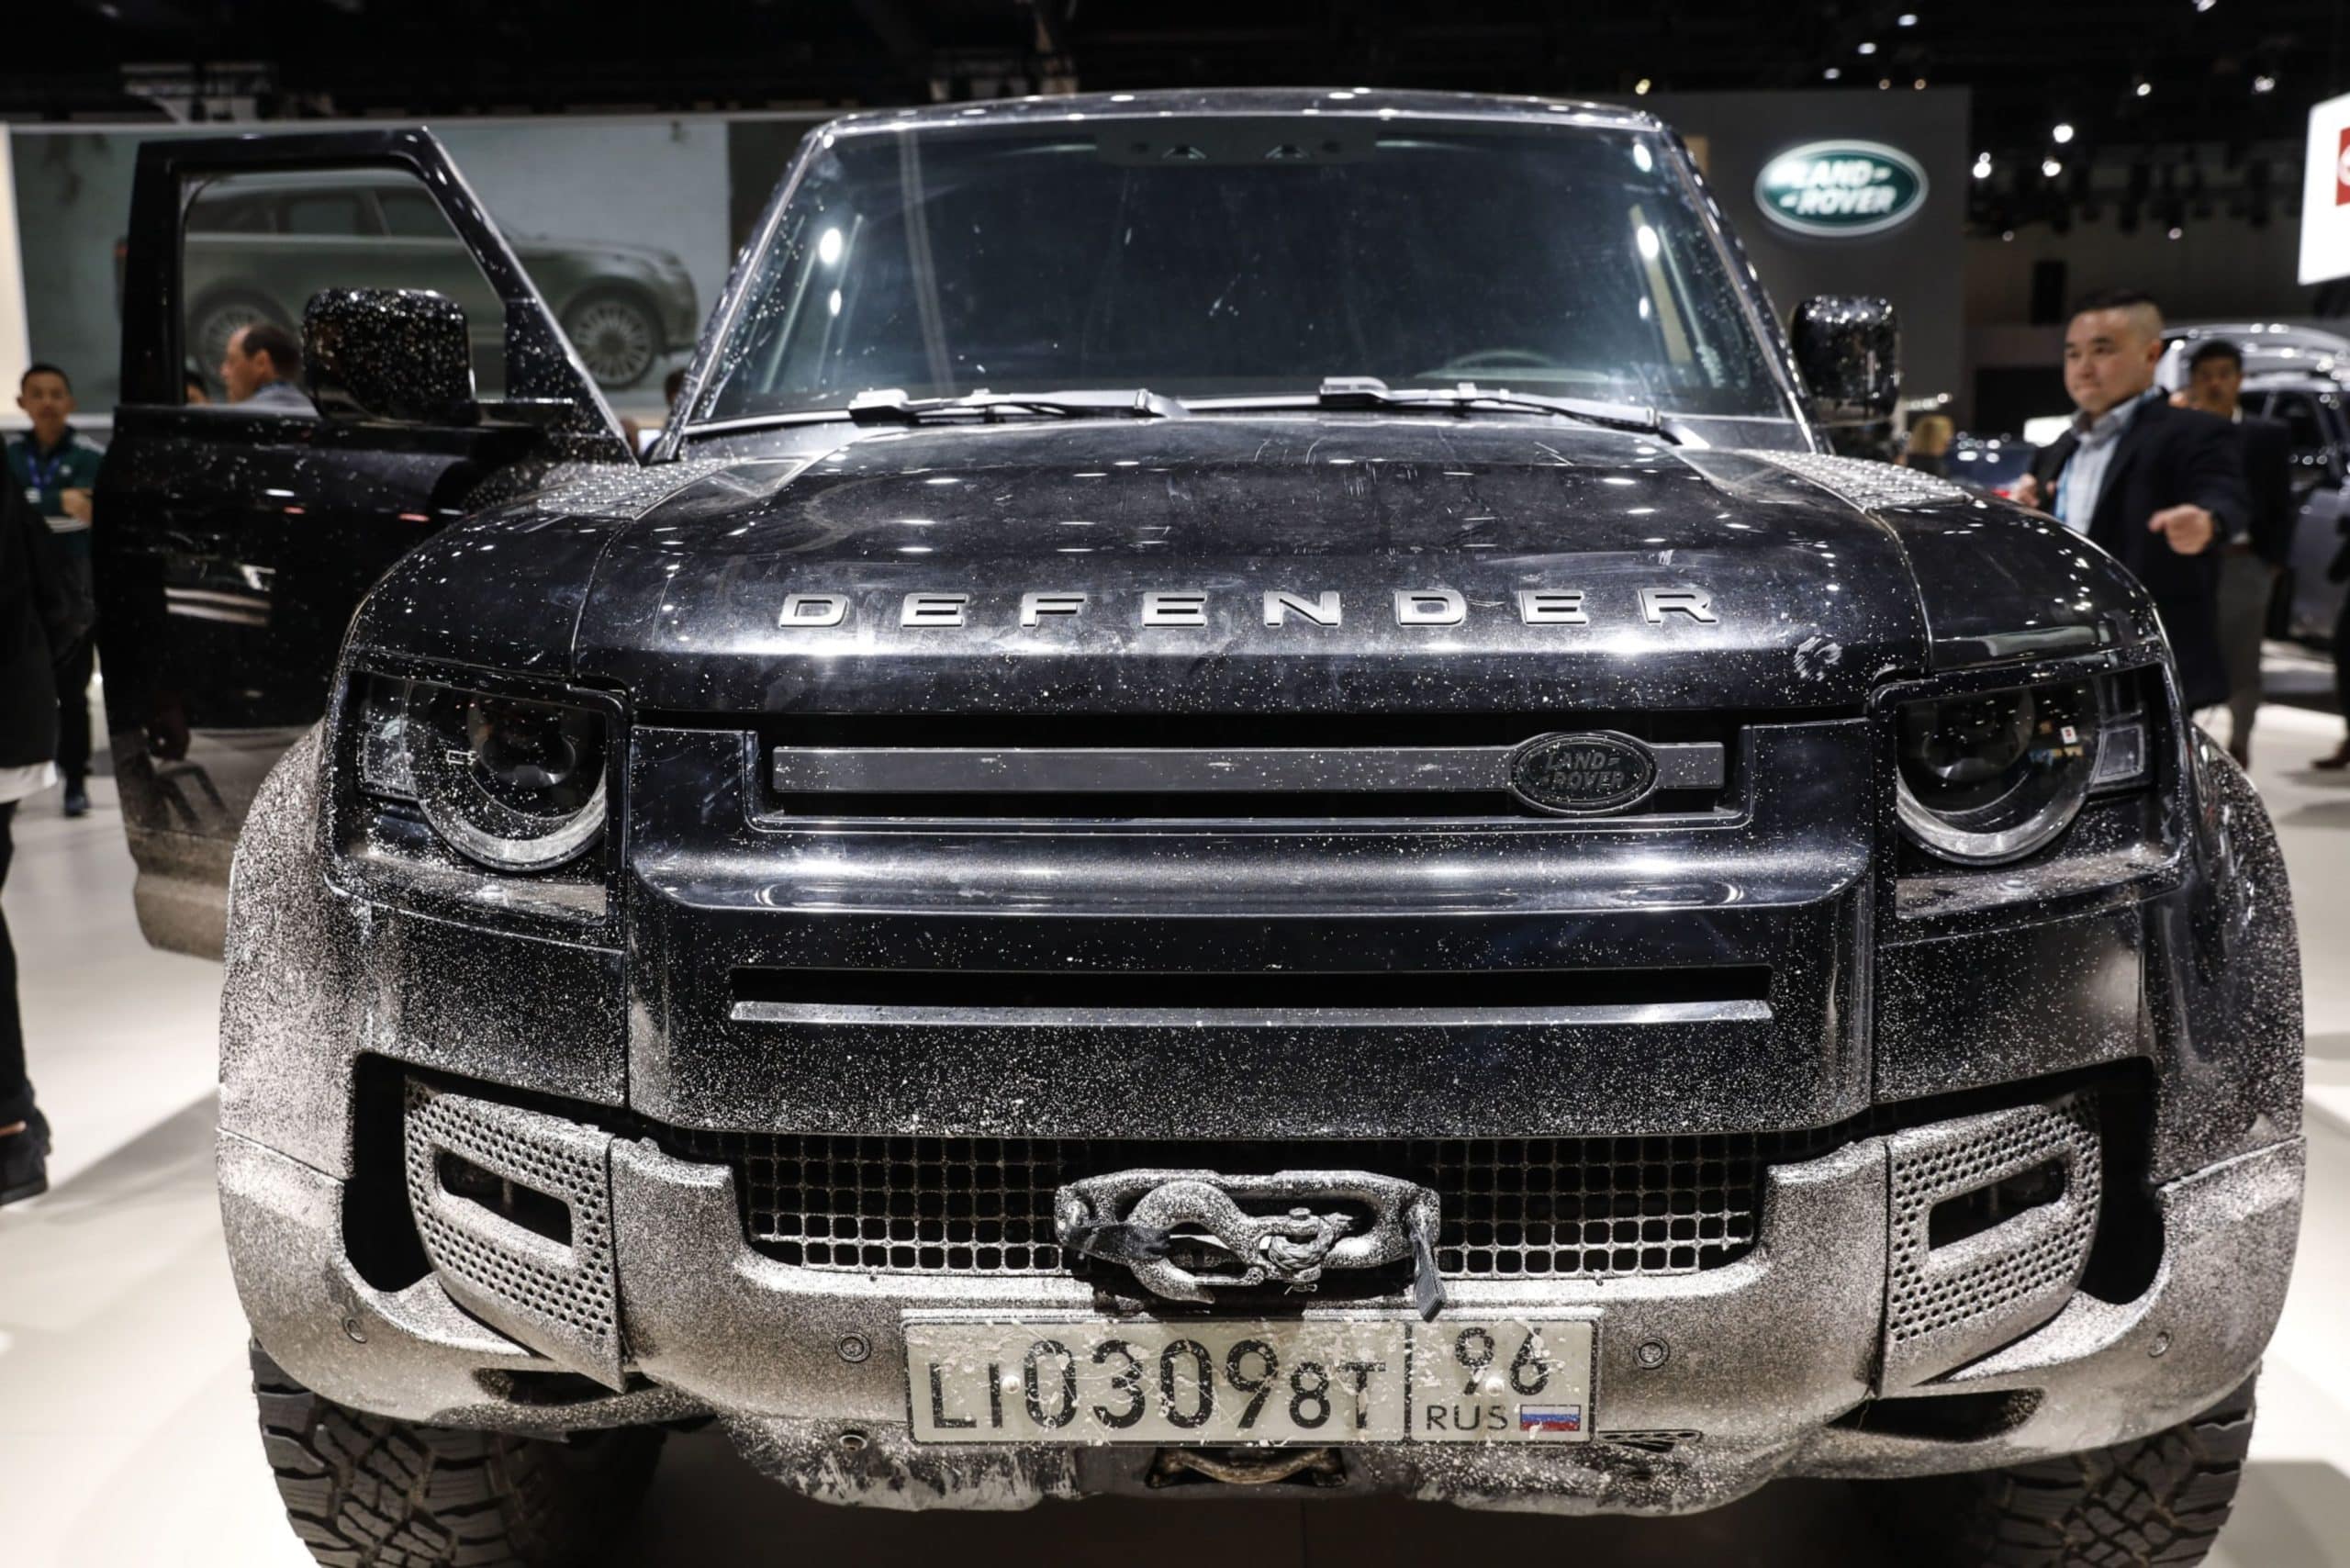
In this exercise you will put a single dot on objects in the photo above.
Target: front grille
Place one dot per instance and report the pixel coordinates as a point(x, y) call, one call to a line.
point(1235, 767)
point(1540, 1208)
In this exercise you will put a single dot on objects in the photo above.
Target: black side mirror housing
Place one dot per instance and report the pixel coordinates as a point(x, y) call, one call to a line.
point(400, 355)
point(1848, 348)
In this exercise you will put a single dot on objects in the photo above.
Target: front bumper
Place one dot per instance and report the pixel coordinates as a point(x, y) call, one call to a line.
point(659, 1310)
point(1779, 1363)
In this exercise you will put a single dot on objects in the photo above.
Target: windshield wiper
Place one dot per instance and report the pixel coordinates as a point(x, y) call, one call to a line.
point(1362, 392)
point(891, 406)
point(887, 406)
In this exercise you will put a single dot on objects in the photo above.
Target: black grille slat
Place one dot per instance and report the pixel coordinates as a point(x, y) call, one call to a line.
point(1073, 985)
point(1581, 1207)
point(1430, 770)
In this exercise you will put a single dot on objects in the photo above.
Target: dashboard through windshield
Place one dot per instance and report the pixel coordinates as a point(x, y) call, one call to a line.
point(1240, 256)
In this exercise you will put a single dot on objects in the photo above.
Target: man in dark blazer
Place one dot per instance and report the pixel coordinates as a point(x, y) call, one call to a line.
point(2154, 485)
point(2251, 561)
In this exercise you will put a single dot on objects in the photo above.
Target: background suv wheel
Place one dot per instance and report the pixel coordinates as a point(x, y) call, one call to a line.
point(617, 334)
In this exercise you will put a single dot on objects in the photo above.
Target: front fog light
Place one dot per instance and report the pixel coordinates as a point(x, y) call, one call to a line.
point(1995, 776)
point(515, 784)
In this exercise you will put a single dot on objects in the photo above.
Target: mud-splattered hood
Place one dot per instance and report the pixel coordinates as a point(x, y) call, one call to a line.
point(1127, 565)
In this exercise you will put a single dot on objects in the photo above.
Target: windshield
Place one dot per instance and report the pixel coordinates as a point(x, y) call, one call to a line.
point(1236, 256)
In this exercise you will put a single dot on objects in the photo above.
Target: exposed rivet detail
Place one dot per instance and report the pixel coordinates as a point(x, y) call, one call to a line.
point(1653, 1352)
point(353, 1332)
point(2162, 1343)
point(854, 1347)
point(854, 1441)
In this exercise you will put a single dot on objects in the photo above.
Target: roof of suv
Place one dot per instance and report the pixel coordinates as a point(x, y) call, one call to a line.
point(1376, 101)
point(2267, 347)
point(2298, 380)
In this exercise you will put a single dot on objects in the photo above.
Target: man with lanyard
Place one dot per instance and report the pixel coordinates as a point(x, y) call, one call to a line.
point(2151, 485)
point(56, 468)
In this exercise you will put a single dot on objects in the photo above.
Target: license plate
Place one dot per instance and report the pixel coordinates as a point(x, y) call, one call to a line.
point(1226, 1380)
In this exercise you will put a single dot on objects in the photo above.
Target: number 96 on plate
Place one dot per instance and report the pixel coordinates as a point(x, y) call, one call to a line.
point(1241, 1380)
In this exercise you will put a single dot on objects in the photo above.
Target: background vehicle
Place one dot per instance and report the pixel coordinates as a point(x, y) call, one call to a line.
point(2293, 375)
point(1264, 922)
point(1989, 463)
point(2309, 601)
point(2266, 345)
point(260, 246)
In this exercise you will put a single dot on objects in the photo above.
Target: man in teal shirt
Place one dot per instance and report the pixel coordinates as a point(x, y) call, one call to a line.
point(57, 468)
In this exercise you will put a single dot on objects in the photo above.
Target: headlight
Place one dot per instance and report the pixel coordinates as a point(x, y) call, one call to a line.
point(1994, 776)
point(515, 784)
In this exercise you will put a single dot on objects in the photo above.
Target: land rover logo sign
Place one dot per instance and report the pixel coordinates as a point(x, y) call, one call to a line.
point(1840, 188)
point(1579, 774)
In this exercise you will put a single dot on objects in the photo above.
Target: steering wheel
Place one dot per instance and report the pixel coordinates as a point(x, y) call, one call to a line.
point(1499, 359)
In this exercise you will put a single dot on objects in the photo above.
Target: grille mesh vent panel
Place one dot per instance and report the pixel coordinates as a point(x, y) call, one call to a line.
point(560, 1299)
point(1535, 1208)
point(1944, 1305)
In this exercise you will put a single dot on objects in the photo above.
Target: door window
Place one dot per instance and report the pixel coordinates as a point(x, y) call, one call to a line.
point(2312, 450)
point(335, 212)
point(413, 215)
point(215, 212)
point(256, 247)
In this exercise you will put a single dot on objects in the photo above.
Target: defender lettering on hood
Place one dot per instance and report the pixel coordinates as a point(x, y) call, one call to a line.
point(1412, 607)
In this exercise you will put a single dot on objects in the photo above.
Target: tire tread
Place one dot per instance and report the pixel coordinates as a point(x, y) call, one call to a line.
point(365, 1491)
point(2158, 1501)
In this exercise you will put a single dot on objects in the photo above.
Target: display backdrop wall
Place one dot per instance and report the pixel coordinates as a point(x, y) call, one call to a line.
point(583, 188)
point(1917, 262)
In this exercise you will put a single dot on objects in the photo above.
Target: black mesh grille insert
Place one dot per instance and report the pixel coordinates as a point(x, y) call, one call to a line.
point(1535, 1207)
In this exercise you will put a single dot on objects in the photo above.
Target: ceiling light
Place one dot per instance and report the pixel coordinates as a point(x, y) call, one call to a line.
point(2062, 134)
point(2007, 235)
point(1907, 20)
point(1918, 85)
point(1983, 167)
point(1883, 82)
point(1831, 73)
point(2205, 5)
point(2145, 88)
point(2175, 231)
point(2050, 167)
point(2264, 83)
point(1641, 86)
point(1865, 49)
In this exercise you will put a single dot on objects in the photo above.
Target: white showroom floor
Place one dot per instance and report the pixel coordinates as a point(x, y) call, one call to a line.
point(126, 1429)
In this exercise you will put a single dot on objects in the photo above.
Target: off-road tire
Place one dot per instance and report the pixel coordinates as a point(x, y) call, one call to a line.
point(367, 1492)
point(2160, 1500)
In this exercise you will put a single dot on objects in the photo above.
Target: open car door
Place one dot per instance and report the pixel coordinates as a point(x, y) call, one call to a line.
point(233, 540)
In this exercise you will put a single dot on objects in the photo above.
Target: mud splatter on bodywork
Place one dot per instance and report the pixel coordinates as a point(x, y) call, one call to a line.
point(793, 1019)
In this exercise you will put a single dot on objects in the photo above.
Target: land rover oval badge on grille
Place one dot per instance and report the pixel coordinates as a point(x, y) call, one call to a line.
point(1581, 773)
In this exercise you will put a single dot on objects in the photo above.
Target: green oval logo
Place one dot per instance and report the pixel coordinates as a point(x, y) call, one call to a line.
point(1839, 188)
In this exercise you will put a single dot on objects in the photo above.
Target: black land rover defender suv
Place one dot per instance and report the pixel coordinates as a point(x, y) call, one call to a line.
point(1237, 805)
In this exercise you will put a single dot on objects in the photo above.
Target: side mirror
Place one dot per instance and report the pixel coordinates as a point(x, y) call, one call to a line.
point(400, 354)
point(1848, 347)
